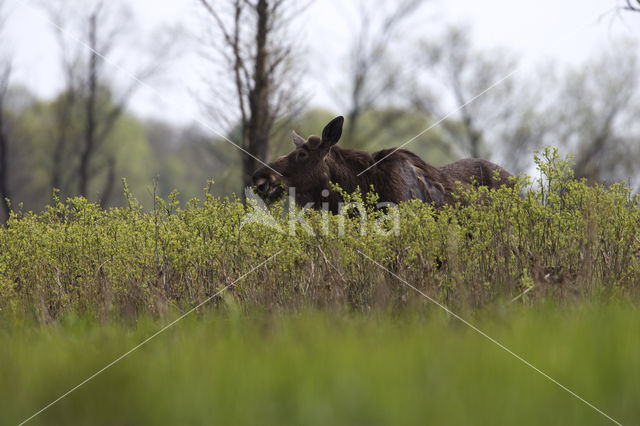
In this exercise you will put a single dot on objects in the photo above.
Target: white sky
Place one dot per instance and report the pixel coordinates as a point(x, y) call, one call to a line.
point(567, 31)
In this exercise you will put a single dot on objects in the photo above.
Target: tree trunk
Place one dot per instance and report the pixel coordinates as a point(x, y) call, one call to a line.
point(4, 166)
point(90, 123)
point(259, 122)
point(109, 183)
point(63, 124)
point(4, 147)
point(352, 119)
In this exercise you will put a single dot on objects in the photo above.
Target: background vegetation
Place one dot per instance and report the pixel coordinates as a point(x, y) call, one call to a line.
point(86, 137)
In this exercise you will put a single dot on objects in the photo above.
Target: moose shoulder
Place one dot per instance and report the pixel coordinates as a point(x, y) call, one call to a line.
point(395, 174)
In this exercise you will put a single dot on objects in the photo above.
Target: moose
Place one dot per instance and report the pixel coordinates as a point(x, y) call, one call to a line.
point(396, 175)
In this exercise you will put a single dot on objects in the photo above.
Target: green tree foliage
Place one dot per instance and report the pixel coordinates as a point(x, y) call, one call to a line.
point(34, 127)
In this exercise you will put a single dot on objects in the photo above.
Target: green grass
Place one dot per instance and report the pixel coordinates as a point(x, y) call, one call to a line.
point(329, 368)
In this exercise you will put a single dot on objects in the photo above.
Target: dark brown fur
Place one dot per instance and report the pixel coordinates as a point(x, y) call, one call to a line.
point(401, 176)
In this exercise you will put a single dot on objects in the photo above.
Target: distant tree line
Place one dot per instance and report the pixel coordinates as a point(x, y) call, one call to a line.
point(85, 139)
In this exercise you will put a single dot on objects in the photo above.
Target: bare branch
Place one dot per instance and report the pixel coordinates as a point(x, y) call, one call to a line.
point(254, 51)
point(5, 75)
point(371, 75)
point(91, 101)
point(632, 5)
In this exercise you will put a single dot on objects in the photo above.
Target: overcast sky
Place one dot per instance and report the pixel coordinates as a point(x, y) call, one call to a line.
point(567, 31)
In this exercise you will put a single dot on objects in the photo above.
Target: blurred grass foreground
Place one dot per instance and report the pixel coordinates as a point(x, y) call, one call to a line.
point(321, 368)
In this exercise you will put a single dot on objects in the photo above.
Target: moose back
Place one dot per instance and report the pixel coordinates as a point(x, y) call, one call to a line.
point(396, 175)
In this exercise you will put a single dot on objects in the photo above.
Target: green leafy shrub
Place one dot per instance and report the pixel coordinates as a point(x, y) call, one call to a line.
point(549, 237)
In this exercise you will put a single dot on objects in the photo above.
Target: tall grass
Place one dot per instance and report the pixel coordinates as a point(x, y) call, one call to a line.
point(321, 368)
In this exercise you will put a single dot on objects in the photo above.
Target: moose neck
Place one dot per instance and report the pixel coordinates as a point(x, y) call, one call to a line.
point(344, 167)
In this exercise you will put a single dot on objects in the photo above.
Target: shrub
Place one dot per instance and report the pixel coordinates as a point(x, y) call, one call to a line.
point(553, 236)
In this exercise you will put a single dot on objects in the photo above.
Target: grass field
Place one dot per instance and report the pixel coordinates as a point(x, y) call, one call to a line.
point(322, 329)
point(329, 368)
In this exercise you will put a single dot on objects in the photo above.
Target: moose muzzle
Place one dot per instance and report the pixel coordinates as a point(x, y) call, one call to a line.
point(268, 185)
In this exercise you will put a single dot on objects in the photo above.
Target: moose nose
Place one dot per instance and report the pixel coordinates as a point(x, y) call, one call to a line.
point(262, 188)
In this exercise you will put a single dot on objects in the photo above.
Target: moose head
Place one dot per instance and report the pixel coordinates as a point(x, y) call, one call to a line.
point(305, 168)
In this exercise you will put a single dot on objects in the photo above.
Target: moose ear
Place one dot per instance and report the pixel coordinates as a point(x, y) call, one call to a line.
point(332, 132)
point(297, 139)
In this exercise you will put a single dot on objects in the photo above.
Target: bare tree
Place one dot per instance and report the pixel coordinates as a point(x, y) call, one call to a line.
point(460, 75)
point(95, 133)
point(252, 48)
point(64, 105)
point(632, 5)
point(594, 115)
point(89, 93)
point(371, 72)
point(5, 74)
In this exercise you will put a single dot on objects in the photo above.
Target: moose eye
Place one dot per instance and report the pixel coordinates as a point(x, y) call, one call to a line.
point(301, 156)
